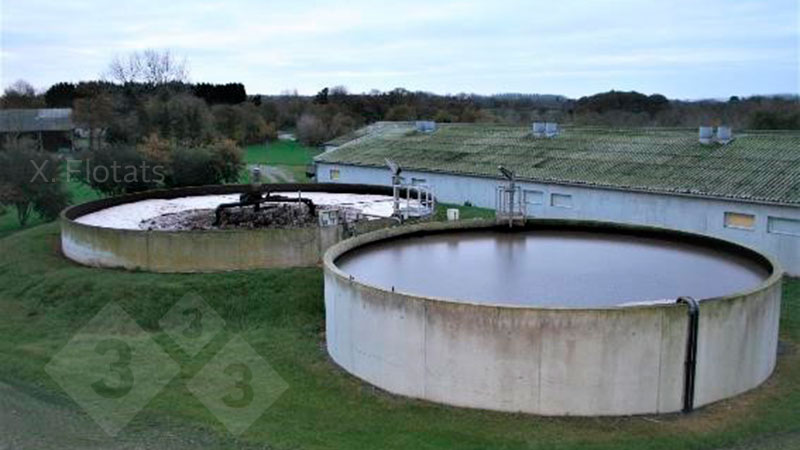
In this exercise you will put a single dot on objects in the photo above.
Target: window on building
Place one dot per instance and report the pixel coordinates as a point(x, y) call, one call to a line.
point(780, 225)
point(740, 221)
point(533, 197)
point(561, 200)
point(334, 174)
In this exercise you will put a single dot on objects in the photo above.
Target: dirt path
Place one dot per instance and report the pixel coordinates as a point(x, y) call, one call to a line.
point(273, 174)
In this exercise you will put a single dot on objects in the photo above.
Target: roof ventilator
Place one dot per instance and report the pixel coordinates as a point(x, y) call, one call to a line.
point(724, 135)
point(425, 126)
point(544, 129)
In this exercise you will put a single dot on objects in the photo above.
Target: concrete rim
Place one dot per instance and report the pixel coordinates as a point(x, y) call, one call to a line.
point(339, 249)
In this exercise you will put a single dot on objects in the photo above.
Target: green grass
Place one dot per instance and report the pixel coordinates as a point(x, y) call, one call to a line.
point(289, 156)
point(465, 212)
point(280, 153)
point(45, 299)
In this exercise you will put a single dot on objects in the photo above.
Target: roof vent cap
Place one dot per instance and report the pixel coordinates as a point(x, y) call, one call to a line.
point(724, 135)
point(706, 135)
point(426, 126)
point(551, 129)
point(538, 129)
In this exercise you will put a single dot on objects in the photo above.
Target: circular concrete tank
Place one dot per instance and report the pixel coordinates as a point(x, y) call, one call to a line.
point(556, 317)
point(109, 233)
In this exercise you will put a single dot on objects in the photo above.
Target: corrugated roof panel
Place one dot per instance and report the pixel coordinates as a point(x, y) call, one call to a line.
point(758, 166)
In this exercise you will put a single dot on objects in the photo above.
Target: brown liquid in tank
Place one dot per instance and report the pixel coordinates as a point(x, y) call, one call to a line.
point(551, 268)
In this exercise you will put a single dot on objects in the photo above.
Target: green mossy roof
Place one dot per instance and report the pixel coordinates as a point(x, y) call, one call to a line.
point(759, 166)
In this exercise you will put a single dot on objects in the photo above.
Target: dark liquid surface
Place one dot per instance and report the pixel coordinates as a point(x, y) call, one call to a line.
point(551, 268)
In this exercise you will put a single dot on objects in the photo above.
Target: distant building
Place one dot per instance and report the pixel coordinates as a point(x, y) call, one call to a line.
point(52, 128)
point(746, 189)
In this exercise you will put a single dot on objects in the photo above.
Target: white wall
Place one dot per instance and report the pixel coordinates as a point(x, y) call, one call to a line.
point(701, 215)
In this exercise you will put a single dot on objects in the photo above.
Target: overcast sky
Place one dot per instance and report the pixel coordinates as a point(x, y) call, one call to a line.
point(680, 48)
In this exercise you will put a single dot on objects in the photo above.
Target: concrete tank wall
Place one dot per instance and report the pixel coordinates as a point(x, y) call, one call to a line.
point(208, 250)
point(612, 361)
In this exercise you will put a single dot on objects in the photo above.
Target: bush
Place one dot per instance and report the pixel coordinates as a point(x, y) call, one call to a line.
point(157, 162)
point(219, 162)
point(443, 116)
point(227, 161)
point(255, 127)
point(30, 180)
point(192, 167)
point(401, 113)
point(117, 169)
point(271, 132)
point(156, 150)
point(241, 123)
point(775, 120)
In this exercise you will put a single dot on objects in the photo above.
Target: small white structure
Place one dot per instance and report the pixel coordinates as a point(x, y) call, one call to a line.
point(538, 129)
point(453, 214)
point(551, 129)
point(724, 135)
point(426, 126)
point(706, 135)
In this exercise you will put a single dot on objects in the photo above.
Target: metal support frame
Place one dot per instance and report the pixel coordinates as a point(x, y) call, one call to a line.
point(509, 205)
point(424, 196)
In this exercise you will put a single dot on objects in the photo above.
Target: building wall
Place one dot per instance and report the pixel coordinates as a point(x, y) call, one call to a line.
point(700, 215)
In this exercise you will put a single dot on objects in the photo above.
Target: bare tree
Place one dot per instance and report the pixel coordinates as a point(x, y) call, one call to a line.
point(21, 94)
point(126, 70)
point(311, 130)
point(150, 66)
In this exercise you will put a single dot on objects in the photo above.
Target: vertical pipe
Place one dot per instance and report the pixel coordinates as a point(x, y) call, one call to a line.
point(690, 363)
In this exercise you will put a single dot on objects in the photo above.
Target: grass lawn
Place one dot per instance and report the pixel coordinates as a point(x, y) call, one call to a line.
point(465, 212)
point(289, 156)
point(45, 299)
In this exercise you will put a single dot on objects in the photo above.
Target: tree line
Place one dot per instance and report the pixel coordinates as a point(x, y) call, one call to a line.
point(147, 127)
point(145, 113)
point(178, 110)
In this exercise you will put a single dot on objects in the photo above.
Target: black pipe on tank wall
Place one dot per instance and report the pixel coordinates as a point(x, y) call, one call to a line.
point(690, 363)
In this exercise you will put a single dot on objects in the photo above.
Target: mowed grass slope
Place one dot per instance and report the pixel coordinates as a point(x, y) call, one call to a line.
point(45, 299)
point(290, 156)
